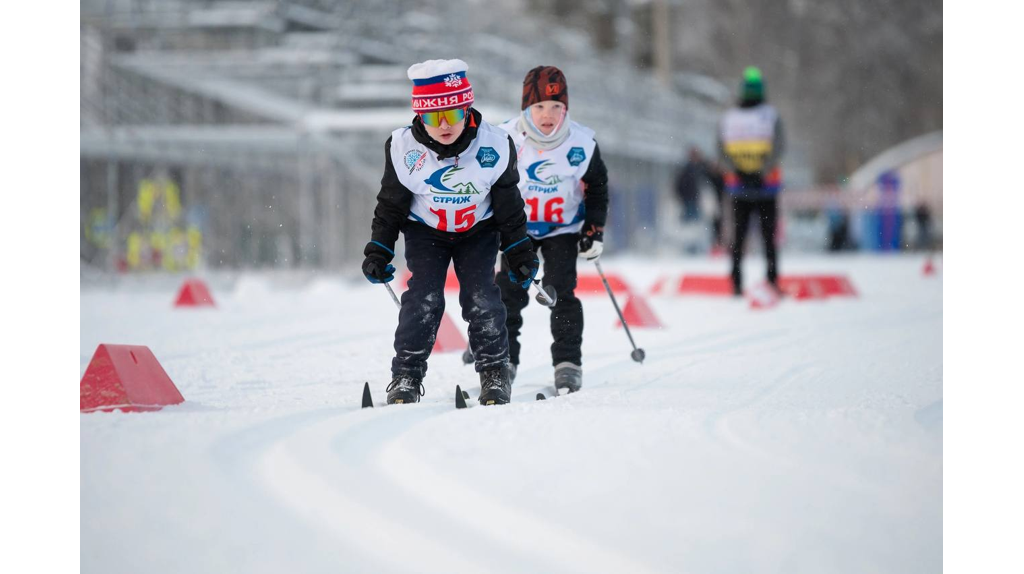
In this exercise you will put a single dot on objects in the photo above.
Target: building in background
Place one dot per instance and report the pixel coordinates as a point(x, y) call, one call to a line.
point(269, 119)
point(900, 194)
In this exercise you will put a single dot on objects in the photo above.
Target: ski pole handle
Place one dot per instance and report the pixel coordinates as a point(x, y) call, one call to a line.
point(545, 295)
point(542, 296)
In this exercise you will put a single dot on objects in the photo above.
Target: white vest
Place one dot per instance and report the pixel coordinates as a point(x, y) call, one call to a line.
point(748, 135)
point(450, 195)
point(551, 181)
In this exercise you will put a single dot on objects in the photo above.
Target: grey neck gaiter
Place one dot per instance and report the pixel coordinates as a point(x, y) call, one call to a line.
point(536, 138)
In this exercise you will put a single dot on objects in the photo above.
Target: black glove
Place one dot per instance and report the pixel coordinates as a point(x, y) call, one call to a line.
point(376, 266)
point(523, 263)
point(591, 241)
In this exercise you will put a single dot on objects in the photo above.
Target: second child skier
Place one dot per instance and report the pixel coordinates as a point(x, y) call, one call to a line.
point(564, 184)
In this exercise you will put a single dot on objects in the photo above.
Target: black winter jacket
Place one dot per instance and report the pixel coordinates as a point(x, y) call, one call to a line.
point(395, 200)
point(595, 199)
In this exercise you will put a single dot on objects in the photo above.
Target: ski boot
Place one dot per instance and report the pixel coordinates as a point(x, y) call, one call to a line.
point(404, 389)
point(568, 377)
point(495, 386)
point(468, 359)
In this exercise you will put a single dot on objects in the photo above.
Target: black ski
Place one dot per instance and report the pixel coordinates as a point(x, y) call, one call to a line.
point(367, 399)
point(553, 394)
point(460, 398)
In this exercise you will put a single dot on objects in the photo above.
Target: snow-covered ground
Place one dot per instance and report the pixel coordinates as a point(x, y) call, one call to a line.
point(806, 438)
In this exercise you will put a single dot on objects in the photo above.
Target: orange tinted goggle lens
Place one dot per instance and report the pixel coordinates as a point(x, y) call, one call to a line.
point(433, 119)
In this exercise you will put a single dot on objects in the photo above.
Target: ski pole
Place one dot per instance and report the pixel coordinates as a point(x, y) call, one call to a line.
point(393, 297)
point(638, 354)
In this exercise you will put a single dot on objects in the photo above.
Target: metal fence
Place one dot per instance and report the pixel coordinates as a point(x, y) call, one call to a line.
point(266, 121)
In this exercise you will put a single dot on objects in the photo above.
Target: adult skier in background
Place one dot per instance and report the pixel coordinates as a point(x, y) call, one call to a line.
point(564, 184)
point(450, 186)
point(751, 144)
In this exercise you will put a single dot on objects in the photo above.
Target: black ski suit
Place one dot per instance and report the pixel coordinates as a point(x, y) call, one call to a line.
point(429, 252)
point(560, 256)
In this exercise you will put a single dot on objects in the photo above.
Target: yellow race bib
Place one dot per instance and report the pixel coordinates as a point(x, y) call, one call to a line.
point(749, 156)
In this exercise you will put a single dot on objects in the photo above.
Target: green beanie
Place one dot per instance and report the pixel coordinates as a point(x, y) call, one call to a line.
point(753, 84)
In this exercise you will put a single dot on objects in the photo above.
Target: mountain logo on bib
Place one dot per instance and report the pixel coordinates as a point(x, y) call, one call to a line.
point(442, 178)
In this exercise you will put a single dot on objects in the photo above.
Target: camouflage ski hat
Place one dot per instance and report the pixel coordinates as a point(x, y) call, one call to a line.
point(545, 83)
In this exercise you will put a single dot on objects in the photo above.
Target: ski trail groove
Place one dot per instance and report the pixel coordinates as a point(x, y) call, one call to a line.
point(559, 548)
point(330, 474)
point(315, 489)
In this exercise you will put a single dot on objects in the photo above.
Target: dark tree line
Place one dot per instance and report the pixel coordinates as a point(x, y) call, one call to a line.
point(851, 78)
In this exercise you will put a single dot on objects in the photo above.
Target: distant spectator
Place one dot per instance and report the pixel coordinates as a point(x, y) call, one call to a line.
point(838, 228)
point(923, 216)
point(751, 144)
point(716, 176)
point(688, 182)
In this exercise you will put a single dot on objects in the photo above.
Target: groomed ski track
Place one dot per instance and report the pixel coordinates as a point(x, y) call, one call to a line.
point(805, 438)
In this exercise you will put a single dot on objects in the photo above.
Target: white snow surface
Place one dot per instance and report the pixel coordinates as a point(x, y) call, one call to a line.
point(805, 438)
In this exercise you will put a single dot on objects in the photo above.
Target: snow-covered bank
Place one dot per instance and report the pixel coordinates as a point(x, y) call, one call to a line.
point(807, 438)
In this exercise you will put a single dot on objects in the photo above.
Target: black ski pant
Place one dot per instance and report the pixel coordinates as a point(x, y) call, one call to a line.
point(766, 209)
point(559, 254)
point(428, 257)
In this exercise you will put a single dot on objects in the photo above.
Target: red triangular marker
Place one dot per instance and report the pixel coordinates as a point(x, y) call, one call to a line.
point(126, 377)
point(592, 283)
point(638, 313)
point(449, 337)
point(929, 268)
point(705, 285)
point(658, 286)
point(451, 281)
point(194, 293)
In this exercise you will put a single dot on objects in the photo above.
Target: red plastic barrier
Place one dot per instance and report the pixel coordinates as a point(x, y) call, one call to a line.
point(801, 287)
point(705, 285)
point(804, 287)
point(451, 282)
point(449, 337)
point(638, 313)
point(587, 283)
point(126, 377)
point(194, 293)
point(836, 285)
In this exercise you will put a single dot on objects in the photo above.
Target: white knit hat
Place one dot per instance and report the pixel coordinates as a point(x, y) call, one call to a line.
point(440, 85)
